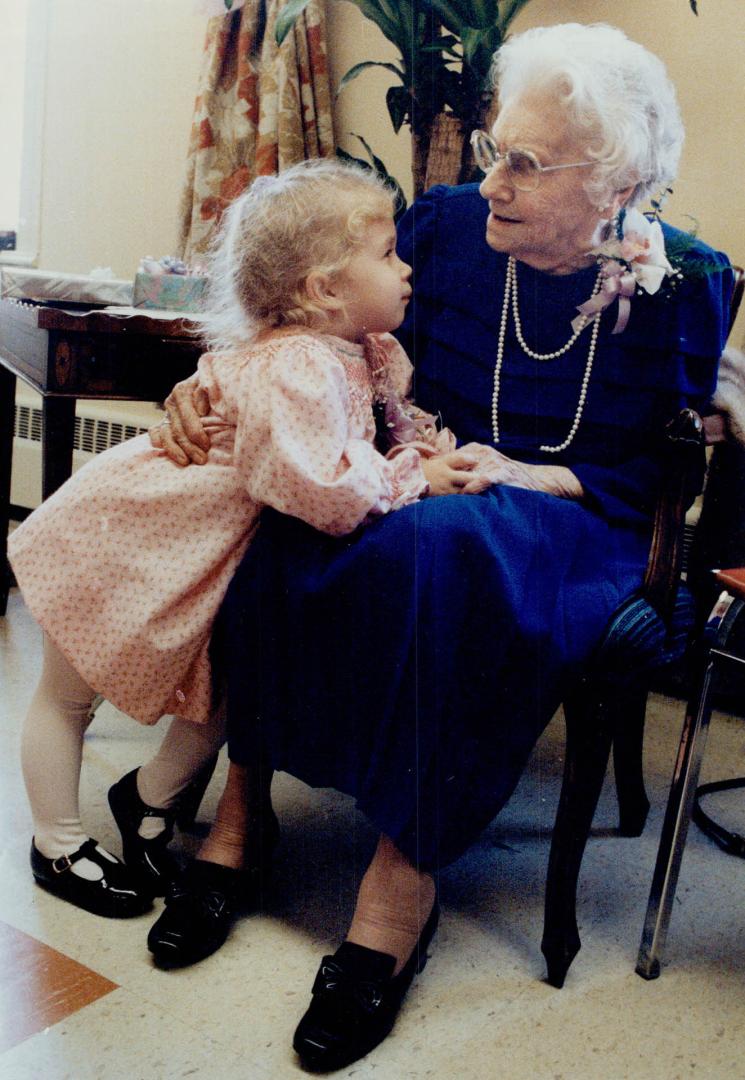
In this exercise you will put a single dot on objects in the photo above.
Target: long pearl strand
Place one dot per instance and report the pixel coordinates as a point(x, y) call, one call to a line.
point(510, 290)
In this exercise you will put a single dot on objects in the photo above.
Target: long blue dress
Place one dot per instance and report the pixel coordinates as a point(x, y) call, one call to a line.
point(414, 664)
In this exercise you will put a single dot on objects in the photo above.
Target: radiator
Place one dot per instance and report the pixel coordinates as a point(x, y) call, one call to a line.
point(98, 425)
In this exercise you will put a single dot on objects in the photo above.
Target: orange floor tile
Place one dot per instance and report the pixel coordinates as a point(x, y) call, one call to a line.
point(39, 986)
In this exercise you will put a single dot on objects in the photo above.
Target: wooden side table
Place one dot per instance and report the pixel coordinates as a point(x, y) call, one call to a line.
point(66, 355)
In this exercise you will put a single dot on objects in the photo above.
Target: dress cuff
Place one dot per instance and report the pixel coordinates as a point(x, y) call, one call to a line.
point(409, 482)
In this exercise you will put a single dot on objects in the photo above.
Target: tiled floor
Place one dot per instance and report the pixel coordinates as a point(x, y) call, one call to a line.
point(81, 1001)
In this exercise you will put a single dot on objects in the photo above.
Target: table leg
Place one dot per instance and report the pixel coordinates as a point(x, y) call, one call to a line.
point(7, 406)
point(57, 433)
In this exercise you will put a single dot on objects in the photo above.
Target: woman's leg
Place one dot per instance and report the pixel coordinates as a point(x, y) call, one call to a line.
point(229, 872)
point(358, 991)
point(393, 904)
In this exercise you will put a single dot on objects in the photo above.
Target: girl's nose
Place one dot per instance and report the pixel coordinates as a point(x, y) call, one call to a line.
point(405, 270)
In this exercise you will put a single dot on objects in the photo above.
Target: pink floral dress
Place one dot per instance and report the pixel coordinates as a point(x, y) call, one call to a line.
point(126, 565)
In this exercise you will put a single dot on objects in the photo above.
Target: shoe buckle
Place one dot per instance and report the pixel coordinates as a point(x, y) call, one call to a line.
point(64, 862)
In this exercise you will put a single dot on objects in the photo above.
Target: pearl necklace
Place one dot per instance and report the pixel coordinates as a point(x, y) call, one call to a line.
point(510, 290)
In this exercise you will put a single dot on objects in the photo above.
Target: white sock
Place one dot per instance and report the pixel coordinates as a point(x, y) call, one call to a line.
point(186, 748)
point(51, 756)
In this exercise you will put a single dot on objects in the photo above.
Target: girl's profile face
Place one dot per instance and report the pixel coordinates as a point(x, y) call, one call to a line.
point(374, 286)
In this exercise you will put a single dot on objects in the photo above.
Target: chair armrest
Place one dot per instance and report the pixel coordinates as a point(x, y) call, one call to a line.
point(685, 457)
point(732, 580)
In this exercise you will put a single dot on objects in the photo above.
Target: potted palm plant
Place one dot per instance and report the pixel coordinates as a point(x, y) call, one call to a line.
point(442, 92)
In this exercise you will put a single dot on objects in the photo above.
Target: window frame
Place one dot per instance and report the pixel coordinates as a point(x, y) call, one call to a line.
point(28, 232)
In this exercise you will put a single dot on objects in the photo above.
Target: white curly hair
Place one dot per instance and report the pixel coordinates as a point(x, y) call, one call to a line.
point(617, 94)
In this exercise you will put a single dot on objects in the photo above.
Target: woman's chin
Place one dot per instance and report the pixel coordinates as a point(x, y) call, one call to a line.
point(501, 232)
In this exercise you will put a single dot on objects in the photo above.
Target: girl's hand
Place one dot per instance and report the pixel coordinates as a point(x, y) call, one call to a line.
point(449, 474)
point(181, 434)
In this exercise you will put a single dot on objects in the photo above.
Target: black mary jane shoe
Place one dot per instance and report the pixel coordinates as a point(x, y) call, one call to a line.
point(355, 1002)
point(150, 860)
point(116, 895)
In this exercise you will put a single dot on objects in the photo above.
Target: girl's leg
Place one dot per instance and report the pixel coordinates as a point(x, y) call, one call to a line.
point(183, 753)
point(64, 859)
point(51, 757)
point(145, 802)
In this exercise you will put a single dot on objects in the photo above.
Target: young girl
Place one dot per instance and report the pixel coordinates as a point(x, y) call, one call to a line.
point(126, 565)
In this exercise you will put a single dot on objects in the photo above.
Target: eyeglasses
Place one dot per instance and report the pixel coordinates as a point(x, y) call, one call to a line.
point(523, 168)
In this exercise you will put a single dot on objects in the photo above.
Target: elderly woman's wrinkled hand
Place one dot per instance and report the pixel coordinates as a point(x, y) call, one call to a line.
point(491, 467)
point(181, 434)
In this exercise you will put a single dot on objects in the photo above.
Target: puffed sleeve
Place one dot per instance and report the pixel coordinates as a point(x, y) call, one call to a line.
point(294, 450)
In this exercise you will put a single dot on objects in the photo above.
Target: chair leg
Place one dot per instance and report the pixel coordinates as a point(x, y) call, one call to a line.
point(675, 826)
point(589, 732)
point(628, 744)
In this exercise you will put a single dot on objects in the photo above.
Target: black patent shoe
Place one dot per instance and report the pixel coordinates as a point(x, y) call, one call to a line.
point(201, 905)
point(355, 1002)
point(116, 895)
point(204, 899)
point(149, 860)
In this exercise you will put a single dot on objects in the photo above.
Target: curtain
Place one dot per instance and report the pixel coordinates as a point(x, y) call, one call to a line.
point(259, 108)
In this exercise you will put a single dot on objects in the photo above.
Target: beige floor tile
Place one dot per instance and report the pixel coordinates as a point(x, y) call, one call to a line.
point(480, 1011)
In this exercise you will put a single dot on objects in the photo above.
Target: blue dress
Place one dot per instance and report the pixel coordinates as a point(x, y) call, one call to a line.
point(414, 663)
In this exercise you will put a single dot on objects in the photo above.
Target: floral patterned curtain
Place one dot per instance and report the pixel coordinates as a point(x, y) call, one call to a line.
point(259, 108)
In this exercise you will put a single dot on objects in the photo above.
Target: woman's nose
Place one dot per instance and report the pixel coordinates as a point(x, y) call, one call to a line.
point(405, 270)
point(496, 185)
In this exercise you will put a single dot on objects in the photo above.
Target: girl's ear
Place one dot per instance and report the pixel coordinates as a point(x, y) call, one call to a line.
point(320, 289)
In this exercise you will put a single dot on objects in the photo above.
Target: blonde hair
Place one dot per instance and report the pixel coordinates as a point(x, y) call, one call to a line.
point(310, 217)
point(617, 94)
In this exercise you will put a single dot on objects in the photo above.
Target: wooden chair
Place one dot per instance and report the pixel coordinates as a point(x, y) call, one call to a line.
point(607, 708)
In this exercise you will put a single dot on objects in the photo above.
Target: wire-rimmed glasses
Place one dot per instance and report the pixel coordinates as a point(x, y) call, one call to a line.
point(524, 170)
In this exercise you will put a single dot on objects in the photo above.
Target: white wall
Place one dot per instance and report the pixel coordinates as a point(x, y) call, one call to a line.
point(120, 91)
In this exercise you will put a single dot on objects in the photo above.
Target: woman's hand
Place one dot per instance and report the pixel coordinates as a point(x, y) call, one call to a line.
point(449, 474)
point(181, 434)
point(498, 469)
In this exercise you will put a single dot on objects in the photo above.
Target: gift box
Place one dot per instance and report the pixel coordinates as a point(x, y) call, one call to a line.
point(177, 292)
point(170, 284)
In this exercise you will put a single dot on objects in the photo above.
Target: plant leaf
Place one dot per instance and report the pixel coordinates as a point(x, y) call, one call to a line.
point(286, 18)
point(398, 100)
point(375, 13)
point(359, 68)
point(378, 167)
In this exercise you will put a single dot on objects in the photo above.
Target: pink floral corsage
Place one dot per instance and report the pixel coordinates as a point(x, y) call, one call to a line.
point(633, 259)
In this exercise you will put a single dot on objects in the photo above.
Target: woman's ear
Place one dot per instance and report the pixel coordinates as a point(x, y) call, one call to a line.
point(616, 202)
point(321, 291)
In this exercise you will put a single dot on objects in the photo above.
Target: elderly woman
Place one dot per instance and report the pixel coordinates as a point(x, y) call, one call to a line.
point(414, 664)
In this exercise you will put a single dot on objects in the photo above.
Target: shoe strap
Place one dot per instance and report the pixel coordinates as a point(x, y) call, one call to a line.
point(86, 850)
